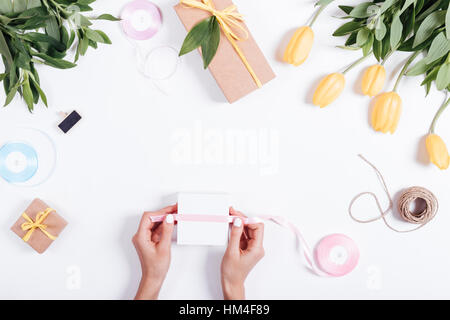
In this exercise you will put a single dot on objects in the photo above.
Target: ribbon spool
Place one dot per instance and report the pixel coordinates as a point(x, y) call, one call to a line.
point(27, 157)
point(141, 19)
point(406, 199)
point(337, 255)
point(18, 162)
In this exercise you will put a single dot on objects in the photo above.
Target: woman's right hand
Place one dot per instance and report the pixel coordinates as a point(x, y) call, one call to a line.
point(245, 250)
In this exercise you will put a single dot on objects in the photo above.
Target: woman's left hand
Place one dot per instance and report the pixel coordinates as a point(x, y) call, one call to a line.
point(153, 242)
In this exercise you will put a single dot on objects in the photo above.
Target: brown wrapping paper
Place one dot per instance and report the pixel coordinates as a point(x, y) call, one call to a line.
point(54, 222)
point(227, 67)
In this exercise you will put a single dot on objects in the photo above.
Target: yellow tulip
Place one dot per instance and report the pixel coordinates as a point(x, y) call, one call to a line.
point(373, 80)
point(299, 46)
point(386, 112)
point(437, 150)
point(329, 89)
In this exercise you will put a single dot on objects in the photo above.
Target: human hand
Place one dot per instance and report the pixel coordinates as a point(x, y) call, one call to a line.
point(152, 242)
point(245, 250)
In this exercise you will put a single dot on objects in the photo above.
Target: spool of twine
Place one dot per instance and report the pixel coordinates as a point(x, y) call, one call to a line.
point(407, 197)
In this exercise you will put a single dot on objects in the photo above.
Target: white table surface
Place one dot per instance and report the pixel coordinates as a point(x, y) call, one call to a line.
point(119, 161)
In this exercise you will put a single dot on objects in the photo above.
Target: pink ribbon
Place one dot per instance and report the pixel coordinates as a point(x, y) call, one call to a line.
point(325, 266)
point(127, 19)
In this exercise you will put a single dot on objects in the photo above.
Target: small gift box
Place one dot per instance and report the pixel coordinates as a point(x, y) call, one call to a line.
point(39, 225)
point(238, 66)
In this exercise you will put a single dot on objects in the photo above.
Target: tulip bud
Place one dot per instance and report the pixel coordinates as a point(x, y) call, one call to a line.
point(299, 46)
point(329, 89)
point(373, 80)
point(386, 112)
point(437, 150)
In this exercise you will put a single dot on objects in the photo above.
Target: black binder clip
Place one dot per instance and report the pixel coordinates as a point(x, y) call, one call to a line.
point(69, 121)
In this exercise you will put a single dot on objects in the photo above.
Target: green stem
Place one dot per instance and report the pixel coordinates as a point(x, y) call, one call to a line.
point(354, 64)
point(438, 114)
point(317, 14)
point(405, 68)
point(387, 57)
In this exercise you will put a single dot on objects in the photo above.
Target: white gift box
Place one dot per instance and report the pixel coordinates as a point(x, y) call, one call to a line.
point(200, 232)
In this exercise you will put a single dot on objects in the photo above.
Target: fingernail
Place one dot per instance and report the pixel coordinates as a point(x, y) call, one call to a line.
point(169, 219)
point(237, 222)
point(255, 220)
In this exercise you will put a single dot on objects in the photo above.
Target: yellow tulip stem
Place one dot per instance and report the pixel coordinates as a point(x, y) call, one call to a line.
point(438, 114)
point(404, 69)
point(386, 58)
point(317, 14)
point(354, 64)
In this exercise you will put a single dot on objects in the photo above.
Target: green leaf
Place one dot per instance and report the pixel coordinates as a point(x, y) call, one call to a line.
point(211, 42)
point(380, 31)
point(439, 48)
point(443, 77)
point(4, 19)
point(107, 17)
point(195, 36)
point(11, 94)
point(57, 63)
point(377, 49)
point(396, 31)
point(34, 4)
point(386, 46)
point(52, 28)
point(94, 36)
point(407, 4)
point(81, 20)
point(362, 37)
point(419, 68)
point(40, 37)
point(41, 93)
point(323, 3)
point(104, 36)
point(432, 22)
point(346, 9)
point(6, 6)
point(387, 4)
point(20, 6)
point(360, 11)
point(368, 46)
point(429, 10)
point(351, 39)
point(27, 93)
point(431, 76)
point(4, 50)
point(447, 21)
point(347, 28)
point(83, 45)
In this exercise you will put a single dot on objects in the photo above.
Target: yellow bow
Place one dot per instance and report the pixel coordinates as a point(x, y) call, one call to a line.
point(229, 20)
point(32, 225)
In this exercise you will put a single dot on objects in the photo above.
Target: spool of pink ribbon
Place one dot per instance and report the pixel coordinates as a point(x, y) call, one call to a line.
point(141, 19)
point(335, 256)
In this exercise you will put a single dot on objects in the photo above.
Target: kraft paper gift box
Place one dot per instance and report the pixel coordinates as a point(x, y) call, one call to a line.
point(227, 68)
point(40, 233)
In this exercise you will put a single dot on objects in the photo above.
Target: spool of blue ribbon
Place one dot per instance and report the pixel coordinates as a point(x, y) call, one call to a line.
point(18, 162)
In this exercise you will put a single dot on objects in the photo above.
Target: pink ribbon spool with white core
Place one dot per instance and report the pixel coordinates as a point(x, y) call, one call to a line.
point(141, 19)
point(337, 255)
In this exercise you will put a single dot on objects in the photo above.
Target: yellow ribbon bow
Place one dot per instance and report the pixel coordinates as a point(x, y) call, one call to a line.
point(33, 225)
point(231, 22)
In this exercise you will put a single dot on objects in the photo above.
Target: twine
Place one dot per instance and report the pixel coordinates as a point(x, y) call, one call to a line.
point(407, 197)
